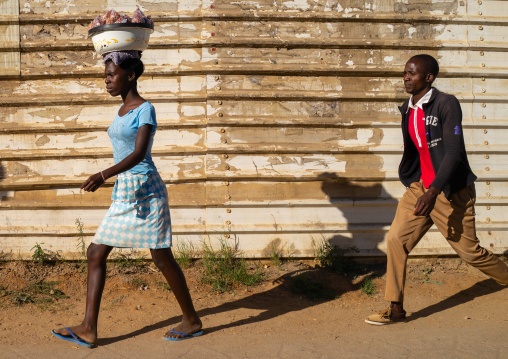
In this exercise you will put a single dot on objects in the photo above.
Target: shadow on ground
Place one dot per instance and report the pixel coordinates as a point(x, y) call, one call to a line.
point(264, 302)
point(277, 301)
point(479, 289)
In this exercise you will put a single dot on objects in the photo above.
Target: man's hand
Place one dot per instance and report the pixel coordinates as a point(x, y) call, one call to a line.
point(425, 204)
point(93, 183)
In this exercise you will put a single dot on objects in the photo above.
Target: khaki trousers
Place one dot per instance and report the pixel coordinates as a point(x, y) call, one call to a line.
point(455, 219)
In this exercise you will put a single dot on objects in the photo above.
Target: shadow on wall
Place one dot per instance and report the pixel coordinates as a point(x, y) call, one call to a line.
point(2, 172)
point(367, 211)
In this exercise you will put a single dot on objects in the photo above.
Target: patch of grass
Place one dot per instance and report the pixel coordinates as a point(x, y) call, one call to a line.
point(37, 292)
point(310, 288)
point(81, 246)
point(117, 301)
point(276, 255)
point(19, 256)
point(184, 253)
point(38, 256)
point(20, 298)
point(226, 267)
point(280, 253)
point(5, 257)
point(333, 258)
point(128, 260)
point(426, 276)
point(47, 289)
point(368, 286)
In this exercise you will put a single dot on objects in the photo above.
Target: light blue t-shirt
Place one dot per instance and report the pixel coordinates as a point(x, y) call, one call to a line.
point(123, 131)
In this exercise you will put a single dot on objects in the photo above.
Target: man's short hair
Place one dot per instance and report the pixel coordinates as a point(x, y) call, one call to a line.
point(430, 63)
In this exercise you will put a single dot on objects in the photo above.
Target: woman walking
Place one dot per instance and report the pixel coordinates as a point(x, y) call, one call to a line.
point(139, 215)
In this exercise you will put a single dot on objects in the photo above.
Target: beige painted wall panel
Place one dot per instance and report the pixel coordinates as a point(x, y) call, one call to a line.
point(324, 87)
point(62, 221)
point(341, 9)
point(489, 166)
point(350, 216)
point(301, 139)
point(9, 35)
point(489, 8)
point(99, 117)
point(79, 63)
point(248, 194)
point(340, 112)
point(314, 34)
point(344, 214)
point(9, 8)
point(350, 166)
point(93, 90)
point(351, 60)
point(328, 190)
point(72, 144)
point(297, 112)
point(47, 35)
point(91, 8)
point(179, 195)
point(298, 219)
point(160, 61)
point(9, 63)
point(489, 113)
point(74, 171)
point(36, 36)
point(490, 89)
point(487, 36)
point(331, 140)
point(294, 167)
point(231, 86)
point(9, 39)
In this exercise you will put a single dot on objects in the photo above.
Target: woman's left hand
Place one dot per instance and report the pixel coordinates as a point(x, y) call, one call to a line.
point(93, 183)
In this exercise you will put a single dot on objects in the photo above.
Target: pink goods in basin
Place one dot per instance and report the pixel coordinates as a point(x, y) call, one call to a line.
point(120, 37)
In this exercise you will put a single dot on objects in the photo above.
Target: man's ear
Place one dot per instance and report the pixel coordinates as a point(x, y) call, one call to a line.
point(430, 78)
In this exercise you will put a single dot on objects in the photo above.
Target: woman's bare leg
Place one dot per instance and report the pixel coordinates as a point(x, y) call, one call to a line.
point(164, 260)
point(96, 255)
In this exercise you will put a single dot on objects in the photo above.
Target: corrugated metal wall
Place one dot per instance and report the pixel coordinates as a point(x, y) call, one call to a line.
point(278, 120)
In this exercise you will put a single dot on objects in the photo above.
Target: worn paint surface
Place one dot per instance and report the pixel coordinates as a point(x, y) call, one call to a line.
point(278, 120)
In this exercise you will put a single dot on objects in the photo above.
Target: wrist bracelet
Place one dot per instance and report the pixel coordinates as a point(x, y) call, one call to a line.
point(103, 178)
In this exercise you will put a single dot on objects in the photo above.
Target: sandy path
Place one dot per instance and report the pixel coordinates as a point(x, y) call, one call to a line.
point(464, 317)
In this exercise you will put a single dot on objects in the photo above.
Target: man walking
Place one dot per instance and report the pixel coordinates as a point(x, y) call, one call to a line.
point(439, 186)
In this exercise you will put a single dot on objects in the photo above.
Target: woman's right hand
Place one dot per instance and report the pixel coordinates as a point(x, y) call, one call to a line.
point(93, 183)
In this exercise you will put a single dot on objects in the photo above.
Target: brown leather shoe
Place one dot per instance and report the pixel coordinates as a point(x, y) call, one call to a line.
point(386, 317)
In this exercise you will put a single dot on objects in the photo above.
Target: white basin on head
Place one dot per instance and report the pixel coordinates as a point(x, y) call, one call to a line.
point(120, 37)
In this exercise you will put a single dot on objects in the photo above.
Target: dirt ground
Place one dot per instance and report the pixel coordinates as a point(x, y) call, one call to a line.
point(454, 312)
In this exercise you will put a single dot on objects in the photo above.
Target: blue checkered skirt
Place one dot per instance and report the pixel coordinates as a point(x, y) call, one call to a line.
point(139, 215)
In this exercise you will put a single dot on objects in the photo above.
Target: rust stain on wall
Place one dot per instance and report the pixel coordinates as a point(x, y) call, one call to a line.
point(19, 169)
point(41, 141)
point(83, 138)
point(444, 7)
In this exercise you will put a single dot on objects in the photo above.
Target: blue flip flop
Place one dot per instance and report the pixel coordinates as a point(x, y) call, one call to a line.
point(184, 335)
point(73, 338)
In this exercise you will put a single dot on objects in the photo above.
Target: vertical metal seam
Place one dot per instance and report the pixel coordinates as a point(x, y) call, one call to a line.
point(203, 49)
point(19, 39)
